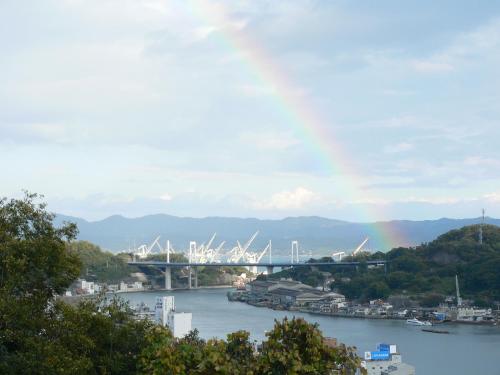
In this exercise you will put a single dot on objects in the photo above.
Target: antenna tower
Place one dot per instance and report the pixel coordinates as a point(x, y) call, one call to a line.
point(481, 230)
point(459, 299)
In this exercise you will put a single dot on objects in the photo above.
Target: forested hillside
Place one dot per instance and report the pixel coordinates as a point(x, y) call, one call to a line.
point(426, 271)
point(99, 265)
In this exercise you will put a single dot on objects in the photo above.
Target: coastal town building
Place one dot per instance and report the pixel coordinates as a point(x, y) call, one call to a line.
point(86, 287)
point(133, 287)
point(386, 361)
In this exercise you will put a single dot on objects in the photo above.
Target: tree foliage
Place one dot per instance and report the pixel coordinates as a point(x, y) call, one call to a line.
point(293, 347)
point(99, 265)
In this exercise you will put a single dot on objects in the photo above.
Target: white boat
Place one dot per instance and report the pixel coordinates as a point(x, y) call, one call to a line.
point(416, 322)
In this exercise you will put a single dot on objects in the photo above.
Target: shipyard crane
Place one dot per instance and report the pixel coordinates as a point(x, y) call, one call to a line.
point(256, 257)
point(339, 254)
point(358, 249)
point(216, 252)
point(210, 242)
point(204, 253)
point(212, 255)
point(239, 251)
point(144, 251)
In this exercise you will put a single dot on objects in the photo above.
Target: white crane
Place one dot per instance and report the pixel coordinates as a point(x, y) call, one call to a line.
point(239, 251)
point(339, 254)
point(256, 258)
point(210, 241)
point(204, 253)
point(358, 249)
point(144, 251)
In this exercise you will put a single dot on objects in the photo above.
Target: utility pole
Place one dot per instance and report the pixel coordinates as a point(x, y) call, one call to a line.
point(481, 230)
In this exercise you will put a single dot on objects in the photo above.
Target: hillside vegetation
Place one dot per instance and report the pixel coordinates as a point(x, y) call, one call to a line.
point(426, 271)
point(99, 265)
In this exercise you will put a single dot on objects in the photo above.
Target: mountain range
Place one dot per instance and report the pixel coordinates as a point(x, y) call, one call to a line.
point(319, 235)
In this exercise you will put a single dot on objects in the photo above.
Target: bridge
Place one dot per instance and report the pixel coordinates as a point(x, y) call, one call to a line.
point(193, 267)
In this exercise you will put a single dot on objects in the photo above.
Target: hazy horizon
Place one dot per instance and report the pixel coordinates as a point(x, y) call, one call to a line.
point(271, 219)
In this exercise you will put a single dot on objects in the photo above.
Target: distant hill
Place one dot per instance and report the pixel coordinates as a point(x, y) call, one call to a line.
point(431, 268)
point(426, 272)
point(321, 235)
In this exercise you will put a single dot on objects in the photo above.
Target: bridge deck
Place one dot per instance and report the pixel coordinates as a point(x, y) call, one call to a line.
point(246, 264)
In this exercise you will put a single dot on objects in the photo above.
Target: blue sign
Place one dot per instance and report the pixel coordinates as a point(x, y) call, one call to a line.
point(380, 356)
point(383, 347)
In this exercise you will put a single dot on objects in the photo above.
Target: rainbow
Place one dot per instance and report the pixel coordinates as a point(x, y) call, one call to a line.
point(300, 114)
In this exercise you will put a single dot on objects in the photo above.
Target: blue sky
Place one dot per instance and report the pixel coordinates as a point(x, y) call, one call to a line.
point(139, 106)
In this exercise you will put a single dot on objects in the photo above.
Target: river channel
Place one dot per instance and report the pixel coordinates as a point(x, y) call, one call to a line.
point(467, 350)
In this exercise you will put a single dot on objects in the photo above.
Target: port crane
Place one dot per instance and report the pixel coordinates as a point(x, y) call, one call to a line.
point(205, 253)
point(358, 249)
point(239, 251)
point(144, 251)
point(340, 254)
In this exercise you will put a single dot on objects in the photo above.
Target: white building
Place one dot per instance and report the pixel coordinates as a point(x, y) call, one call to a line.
point(472, 315)
point(165, 314)
point(88, 287)
point(386, 361)
point(137, 285)
point(163, 306)
point(179, 323)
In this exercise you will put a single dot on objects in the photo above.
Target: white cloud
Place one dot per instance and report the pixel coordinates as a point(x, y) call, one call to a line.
point(288, 200)
point(166, 197)
point(493, 197)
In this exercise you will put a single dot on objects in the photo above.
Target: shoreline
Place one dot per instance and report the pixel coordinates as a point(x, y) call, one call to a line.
point(372, 317)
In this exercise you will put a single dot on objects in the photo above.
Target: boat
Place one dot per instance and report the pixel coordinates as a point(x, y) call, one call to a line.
point(435, 330)
point(416, 322)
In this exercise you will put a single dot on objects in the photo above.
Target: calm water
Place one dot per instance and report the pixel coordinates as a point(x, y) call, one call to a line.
point(466, 350)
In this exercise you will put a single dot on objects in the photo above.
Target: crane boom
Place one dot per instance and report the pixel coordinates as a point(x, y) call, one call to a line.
point(210, 242)
point(263, 252)
point(244, 249)
point(358, 249)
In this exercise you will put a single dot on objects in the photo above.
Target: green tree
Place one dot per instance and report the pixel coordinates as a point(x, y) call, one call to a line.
point(378, 289)
point(99, 265)
point(297, 347)
point(34, 266)
point(40, 335)
point(432, 300)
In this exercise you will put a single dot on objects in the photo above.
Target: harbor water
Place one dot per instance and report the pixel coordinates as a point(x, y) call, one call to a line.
point(466, 350)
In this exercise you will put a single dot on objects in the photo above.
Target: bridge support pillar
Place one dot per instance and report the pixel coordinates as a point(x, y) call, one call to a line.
point(168, 278)
point(196, 277)
point(269, 270)
point(190, 281)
